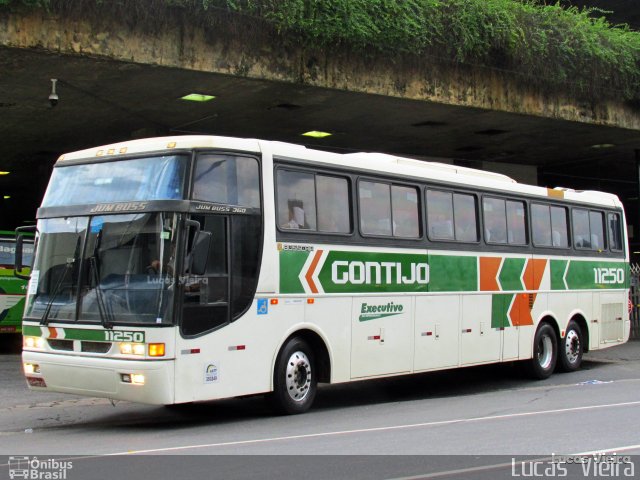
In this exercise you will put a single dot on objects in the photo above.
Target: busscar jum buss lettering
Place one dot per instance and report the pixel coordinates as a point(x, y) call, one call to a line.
point(173, 270)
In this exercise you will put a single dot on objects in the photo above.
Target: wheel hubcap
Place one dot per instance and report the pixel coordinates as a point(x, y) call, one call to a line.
point(572, 346)
point(298, 376)
point(545, 352)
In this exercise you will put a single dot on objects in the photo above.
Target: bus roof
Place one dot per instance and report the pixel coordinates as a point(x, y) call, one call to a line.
point(373, 162)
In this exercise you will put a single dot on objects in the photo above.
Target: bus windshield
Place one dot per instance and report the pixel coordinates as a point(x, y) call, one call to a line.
point(104, 269)
point(142, 179)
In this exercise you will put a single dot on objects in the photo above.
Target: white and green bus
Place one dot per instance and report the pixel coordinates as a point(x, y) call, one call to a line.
point(182, 269)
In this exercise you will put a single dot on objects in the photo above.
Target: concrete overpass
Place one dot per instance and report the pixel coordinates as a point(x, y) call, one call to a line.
point(119, 79)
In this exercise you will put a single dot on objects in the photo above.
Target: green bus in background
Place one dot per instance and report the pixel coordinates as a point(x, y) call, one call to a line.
point(12, 288)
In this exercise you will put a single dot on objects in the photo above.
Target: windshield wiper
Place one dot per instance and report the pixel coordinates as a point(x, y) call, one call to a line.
point(103, 311)
point(47, 310)
point(105, 316)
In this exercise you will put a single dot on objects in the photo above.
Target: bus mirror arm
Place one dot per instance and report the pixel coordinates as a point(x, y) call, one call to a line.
point(195, 224)
point(200, 253)
point(197, 260)
point(18, 258)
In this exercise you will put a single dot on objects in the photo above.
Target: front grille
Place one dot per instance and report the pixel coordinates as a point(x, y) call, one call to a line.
point(95, 347)
point(66, 345)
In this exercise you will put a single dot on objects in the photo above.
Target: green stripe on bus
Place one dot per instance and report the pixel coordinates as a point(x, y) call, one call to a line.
point(291, 263)
point(376, 272)
point(557, 268)
point(453, 273)
point(500, 310)
point(31, 331)
point(584, 275)
point(511, 273)
point(84, 334)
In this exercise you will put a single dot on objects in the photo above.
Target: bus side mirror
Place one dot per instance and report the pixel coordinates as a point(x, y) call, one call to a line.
point(200, 253)
point(17, 270)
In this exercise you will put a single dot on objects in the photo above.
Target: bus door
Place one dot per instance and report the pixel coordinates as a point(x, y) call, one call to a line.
point(204, 307)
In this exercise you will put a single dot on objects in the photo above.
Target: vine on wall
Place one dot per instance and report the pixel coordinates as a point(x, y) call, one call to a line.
point(546, 45)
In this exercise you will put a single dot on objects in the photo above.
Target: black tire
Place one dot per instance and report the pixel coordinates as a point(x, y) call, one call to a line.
point(545, 353)
point(294, 379)
point(570, 348)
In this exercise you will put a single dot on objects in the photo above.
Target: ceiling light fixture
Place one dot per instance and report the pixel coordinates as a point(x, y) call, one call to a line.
point(316, 134)
point(602, 145)
point(5, 173)
point(197, 97)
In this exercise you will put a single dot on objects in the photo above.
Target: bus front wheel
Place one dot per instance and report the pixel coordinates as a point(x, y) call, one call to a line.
point(295, 381)
point(571, 348)
point(545, 353)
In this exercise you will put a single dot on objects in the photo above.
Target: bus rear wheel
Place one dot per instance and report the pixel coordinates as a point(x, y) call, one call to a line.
point(545, 353)
point(294, 382)
point(570, 348)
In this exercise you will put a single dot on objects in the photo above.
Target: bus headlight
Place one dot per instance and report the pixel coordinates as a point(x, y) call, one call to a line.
point(134, 378)
point(33, 342)
point(132, 349)
point(30, 368)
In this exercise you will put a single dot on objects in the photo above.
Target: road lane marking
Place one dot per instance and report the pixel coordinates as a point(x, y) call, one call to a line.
point(458, 471)
point(609, 450)
point(378, 429)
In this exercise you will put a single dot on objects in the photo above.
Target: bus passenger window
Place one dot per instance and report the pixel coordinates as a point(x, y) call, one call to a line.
point(541, 225)
point(495, 221)
point(464, 212)
point(588, 229)
point(596, 227)
point(615, 232)
point(404, 205)
point(227, 179)
point(559, 229)
point(296, 200)
point(581, 232)
point(375, 208)
point(440, 215)
point(334, 214)
point(516, 230)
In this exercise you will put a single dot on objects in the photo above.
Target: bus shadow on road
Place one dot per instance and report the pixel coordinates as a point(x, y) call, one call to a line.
point(405, 388)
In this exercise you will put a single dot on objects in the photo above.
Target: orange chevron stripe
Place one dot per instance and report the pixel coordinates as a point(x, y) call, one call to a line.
point(520, 313)
point(53, 333)
point(489, 267)
point(533, 273)
point(312, 267)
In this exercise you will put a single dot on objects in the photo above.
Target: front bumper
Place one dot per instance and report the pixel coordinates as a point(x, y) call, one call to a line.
point(102, 377)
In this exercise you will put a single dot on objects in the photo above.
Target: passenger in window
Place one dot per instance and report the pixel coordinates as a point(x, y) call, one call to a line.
point(466, 225)
point(296, 215)
point(441, 226)
point(494, 230)
point(582, 242)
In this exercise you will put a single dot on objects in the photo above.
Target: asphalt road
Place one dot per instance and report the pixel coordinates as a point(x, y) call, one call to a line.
point(467, 423)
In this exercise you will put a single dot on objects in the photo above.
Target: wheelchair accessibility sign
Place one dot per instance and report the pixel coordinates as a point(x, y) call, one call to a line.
point(263, 306)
